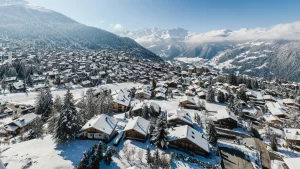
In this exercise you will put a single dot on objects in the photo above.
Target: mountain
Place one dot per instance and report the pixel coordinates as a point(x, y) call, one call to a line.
point(268, 52)
point(20, 20)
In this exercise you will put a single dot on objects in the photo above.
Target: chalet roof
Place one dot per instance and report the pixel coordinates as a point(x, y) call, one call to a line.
point(292, 133)
point(224, 114)
point(270, 117)
point(179, 114)
point(275, 108)
point(292, 163)
point(138, 124)
point(121, 97)
point(189, 133)
point(23, 121)
point(18, 85)
point(188, 98)
point(103, 123)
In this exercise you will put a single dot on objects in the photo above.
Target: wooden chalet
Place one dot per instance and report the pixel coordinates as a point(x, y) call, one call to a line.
point(137, 129)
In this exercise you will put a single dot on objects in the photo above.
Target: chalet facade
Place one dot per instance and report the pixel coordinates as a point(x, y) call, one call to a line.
point(292, 136)
point(187, 139)
point(100, 127)
point(137, 129)
point(121, 100)
point(20, 125)
point(225, 118)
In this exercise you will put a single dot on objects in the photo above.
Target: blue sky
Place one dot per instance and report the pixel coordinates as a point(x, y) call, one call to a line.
point(193, 15)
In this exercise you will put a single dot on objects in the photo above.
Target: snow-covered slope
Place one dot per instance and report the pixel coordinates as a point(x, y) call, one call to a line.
point(20, 20)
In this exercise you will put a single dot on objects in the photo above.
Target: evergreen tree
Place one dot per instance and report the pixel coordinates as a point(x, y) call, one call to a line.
point(44, 103)
point(153, 84)
point(241, 94)
point(255, 133)
point(36, 128)
point(108, 156)
point(84, 162)
point(232, 79)
point(156, 159)
point(148, 156)
point(67, 124)
point(221, 97)
point(212, 134)
point(160, 134)
point(273, 143)
point(29, 80)
point(145, 112)
point(210, 95)
point(3, 83)
point(57, 103)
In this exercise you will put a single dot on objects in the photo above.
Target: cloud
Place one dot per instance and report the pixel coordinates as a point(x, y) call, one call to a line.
point(116, 27)
point(289, 31)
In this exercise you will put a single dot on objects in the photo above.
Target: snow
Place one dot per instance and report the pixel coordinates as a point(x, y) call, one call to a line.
point(189, 60)
point(292, 163)
point(276, 164)
point(103, 123)
point(29, 98)
point(138, 124)
point(43, 151)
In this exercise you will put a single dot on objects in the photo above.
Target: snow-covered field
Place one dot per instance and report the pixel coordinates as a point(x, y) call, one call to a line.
point(29, 98)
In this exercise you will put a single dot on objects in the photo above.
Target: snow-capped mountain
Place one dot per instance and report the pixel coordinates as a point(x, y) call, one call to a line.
point(268, 52)
point(21, 20)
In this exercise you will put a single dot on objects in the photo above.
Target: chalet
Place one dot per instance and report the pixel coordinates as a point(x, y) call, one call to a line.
point(176, 92)
point(292, 135)
point(188, 102)
point(101, 127)
point(269, 98)
point(171, 84)
point(121, 100)
point(137, 129)
point(161, 96)
point(270, 118)
point(276, 109)
point(290, 103)
point(10, 79)
point(18, 86)
point(179, 117)
point(143, 93)
point(20, 125)
point(225, 118)
point(186, 138)
point(86, 83)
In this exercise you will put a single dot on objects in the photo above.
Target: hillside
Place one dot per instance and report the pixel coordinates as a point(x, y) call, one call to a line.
point(27, 22)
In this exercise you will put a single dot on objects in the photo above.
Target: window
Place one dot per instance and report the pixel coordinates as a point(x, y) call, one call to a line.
point(193, 137)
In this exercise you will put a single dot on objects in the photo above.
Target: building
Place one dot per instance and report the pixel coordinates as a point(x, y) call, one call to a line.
point(188, 102)
point(291, 163)
point(179, 117)
point(101, 127)
point(270, 118)
point(269, 98)
point(225, 118)
point(121, 100)
point(292, 136)
point(137, 129)
point(186, 138)
point(143, 93)
point(276, 109)
point(21, 124)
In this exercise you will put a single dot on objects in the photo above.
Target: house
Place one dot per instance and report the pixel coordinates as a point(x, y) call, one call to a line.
point(137, 128)
point(101, 127)
point(291, 163)
point(86, 83)
point(269, 98)
point(21, 124)
point(290, 103)
point(160, 96)
point(186, 138)
point(225, 118)
point(18, 86)
point(143, 93)
point(276, 109)
point(188, 102)
point(121, 100)
point(270, 118)
point(292, 135)
point(179, 117)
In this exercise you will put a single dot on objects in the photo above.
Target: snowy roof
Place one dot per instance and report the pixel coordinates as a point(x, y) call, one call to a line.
point(138, 124)
point(103, 123)
point(288, 101)
point(161, 89)
point(268, 97)
point(188, 98)
point(121, 97)
point(23, 121)
point(224, 114)
point(180, 114)
point(189, 133)
point(270, 117)
point(138, 106)
point(86, 82)
point(18, 85)
point(1, 165)
point(292, 163)
point(9, 127)
point(145, 90)
point(275, 108)
point(292, 133)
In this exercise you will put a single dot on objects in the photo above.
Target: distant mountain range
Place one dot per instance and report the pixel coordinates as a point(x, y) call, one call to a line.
point(20, 20)
point(272, 52)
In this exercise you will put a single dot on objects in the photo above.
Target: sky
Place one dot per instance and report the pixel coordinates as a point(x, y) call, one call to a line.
point(193, 15)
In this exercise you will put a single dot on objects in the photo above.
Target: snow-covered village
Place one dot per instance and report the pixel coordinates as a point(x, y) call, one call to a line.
point(76, 96)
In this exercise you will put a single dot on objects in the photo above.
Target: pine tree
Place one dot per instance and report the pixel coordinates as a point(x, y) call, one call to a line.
point(108, 156)
point(36, 128)
point(57, 103)
point(44, 103)
point(156, 159)
point(153, 84)
point(148, 156)
point(84, 162)
point(145, 112)
point(160, 134)
point(273, 143)
point(67, 124)
point(210, 95)
point(212, 134)
point(221, 97)
point(3, 83)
